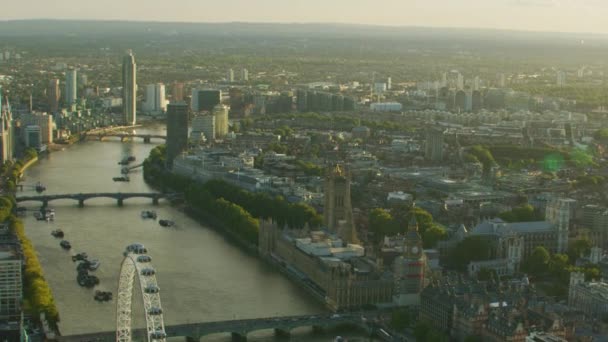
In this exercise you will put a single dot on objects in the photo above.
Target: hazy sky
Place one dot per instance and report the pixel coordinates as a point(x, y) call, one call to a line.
point(537, 15)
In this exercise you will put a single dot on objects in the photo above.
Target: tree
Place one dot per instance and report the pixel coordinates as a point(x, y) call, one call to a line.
point(433, 235)
point(473, 248)
point(601, 134)
point(524, 213)
point(578, 248)
point(381, 223)
point(473, 338)
point(400, 319)
point(486, 274)
point(537, 263)
point(421, 330)
point(484, 156)
point(580, 158)
point(559, 267)
point(30, 153)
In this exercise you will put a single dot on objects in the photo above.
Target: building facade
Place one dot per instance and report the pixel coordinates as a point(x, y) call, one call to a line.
point(338, 211)
point(33, 137)
point(129, 89)
point(220, 112)
point(10, 282)
point(434, 144)
point(559, 212)
point(589, 297)
point(340, 275)
point(490, 311)
point(409, 269)
point(205, 99)
point(53, 95)
point(155, 98)
point(42, 120)
point(71, 86)
point(178, 92)
point(203, 126)
point(6, 131)
point(177, 130)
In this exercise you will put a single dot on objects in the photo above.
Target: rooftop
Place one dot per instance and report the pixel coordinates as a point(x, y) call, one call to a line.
point(499, 227)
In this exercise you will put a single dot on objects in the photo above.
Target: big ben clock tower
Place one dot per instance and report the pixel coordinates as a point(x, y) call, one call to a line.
point(410, 268)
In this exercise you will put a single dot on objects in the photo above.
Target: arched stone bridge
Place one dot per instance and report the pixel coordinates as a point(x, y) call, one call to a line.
point(118, 196)
point(240, 328)
point(147, 137)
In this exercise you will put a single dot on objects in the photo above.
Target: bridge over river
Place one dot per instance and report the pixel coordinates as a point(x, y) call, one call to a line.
point(124, 136)
point(240, 328)
point(81, 197)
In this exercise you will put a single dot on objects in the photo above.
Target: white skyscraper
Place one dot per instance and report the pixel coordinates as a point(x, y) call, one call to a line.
point(155, 98)
point(245, 75)
point(389, 83)
point(129, 89)
point(71, 86)
point(230, 75)
point(501, 80)
point(203, 126)
point(220, 112)
point(476, 83)
point(561, 78)
point(460, 82)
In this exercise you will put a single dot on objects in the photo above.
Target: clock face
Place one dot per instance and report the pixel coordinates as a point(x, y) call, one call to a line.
point(414, 249)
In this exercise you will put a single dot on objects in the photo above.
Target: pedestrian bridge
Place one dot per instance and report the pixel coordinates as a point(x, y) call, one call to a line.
point(238, 328)
point(81, 197)
point(125, 136)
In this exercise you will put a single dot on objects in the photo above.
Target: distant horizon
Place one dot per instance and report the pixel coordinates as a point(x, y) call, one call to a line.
point(328, 23)
point(551, 16)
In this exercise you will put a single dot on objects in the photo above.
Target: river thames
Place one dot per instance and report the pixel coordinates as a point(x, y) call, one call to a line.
point(202, 276)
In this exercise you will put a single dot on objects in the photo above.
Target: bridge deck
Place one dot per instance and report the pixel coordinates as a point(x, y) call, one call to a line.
point(197, 330)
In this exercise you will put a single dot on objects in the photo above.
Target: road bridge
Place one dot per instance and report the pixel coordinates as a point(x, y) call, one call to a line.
point(81, 197)
point(124, 136)
point(240, 328)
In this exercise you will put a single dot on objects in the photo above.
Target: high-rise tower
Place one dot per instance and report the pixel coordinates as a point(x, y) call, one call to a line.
point(6, 130)
point(53, 95)
point(338, 211)
point(434, 144)
point(155, 98)
point(178, 92)
point(129, 89)
point(71, 86)
point(220, 112)
point(177, 130)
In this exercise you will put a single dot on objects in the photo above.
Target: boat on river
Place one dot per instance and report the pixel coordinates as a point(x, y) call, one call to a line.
point(58, 233)
point(86, 265)
point(80, 257)
point(166, 223)
point(65, 244)
point(40, 188)
point(45, 214)
point(103, 296)
point(121, 179)
point(148, 214)
point(86, 280)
